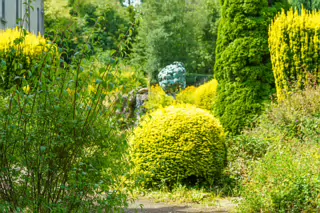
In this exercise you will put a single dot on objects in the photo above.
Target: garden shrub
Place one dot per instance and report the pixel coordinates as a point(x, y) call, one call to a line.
point(19, 51)
point(203, 96)
point(176, 143)
point(294, 120)
point(242, 67)
point(186, 96)
point(285, 180)
point(158, 98)
point(294, 47)
point(59, 144)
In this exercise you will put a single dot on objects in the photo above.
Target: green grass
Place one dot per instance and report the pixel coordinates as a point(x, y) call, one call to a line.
point(181, 195)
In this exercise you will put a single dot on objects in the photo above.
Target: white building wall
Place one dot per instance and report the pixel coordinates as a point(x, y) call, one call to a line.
point(17, 9)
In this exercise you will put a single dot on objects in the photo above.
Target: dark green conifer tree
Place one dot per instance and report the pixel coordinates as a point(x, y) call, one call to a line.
point(243, 67)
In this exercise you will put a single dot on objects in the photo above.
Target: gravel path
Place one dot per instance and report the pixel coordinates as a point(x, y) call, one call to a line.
point(148, 206)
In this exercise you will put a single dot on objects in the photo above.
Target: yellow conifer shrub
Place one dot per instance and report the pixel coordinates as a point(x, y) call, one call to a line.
point(203, 96)
point(206, 94)
point(175, 143)
point(294, 46)
point(187, 95)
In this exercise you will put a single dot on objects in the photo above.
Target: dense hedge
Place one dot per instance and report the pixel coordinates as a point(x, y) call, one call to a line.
point(243, 67)
point(177, 143)
point(294, 46)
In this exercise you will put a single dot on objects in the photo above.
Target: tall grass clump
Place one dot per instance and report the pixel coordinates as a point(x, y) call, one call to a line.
point(59, 144)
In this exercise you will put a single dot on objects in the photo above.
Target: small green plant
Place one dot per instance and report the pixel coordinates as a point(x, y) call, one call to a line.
point(178, 144)
point(294, 120)
point(285, 180)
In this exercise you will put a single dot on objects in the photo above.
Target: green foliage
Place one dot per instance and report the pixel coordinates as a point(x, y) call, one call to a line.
point(158, 99)
point(285, 180)
point(307, 4)
point(242, 67)
point(59, 144)
point(109, 26)
point(177, 143)
point(174, 30)
point(295, 120)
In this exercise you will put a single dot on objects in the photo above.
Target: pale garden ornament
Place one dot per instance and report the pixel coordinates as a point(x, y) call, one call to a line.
point(172, 78)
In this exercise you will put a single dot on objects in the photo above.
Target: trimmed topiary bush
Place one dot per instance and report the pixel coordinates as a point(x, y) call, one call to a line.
point(294, 45)
point(177, 143)
point(243, 67)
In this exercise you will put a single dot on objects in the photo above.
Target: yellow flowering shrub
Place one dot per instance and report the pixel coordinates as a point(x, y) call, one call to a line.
point(30, 45)
point(22, 55)
point(178, 142)
point(294, 46)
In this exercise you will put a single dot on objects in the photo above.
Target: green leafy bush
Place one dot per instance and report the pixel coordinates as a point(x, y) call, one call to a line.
point(285, 180)
point(294, 120)
point(59, 144)
point(242, 67)
point(177, 143)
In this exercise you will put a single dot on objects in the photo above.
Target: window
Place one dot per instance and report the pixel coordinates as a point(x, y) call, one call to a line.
point(38, 20)
point(3, 10)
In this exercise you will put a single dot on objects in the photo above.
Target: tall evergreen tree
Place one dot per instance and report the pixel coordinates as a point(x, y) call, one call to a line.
point(170, 31)
point(243, 67)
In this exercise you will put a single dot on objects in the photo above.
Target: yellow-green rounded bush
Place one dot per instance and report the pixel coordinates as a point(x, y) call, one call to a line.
point(178, 142)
